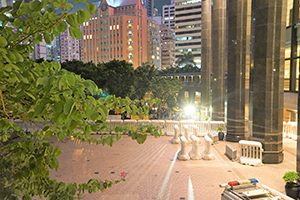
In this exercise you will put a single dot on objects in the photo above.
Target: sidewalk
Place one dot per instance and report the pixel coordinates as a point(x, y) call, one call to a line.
point(155, 173)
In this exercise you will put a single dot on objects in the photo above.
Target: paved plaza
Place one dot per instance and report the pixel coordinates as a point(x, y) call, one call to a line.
point(154, 172)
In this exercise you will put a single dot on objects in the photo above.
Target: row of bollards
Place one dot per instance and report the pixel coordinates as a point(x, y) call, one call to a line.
point(194, 154)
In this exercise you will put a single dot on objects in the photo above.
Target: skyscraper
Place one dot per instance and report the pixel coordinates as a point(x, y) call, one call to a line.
point(168, 14)
point(167, 35)
point(69, 47)
point(188, 29)
point(154, 51)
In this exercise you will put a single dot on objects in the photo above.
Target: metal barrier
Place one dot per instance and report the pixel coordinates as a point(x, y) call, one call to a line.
point(250, 153)
point(175, 139)
point(194, 153)
point(183, 155)
point(213, 136)
point(231, 152)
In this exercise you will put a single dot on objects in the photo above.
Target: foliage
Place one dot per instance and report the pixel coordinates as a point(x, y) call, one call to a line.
point(290, 177)
point(117, 77)
point(166, 89)
point(87, 70)
point(43, 92)
point(186, 58)
point(186, 69)
point(220, 128)
point(143, 78)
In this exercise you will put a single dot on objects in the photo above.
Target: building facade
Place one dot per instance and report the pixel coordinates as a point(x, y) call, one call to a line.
point(168, 14)
point(167, 35)
point(188, 28)
point(69, 47)
point(154, 49)
point(116, 32)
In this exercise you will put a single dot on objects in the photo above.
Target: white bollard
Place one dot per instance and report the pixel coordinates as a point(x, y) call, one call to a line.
point(175, 139)
point(251, 153)
point(207, 155)
point(194, 153)
point(195, 130)
point(186, 133)
point(183, 155)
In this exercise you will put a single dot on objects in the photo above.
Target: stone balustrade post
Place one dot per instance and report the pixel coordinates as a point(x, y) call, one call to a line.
point(175, 139)
point(183, 155)
point(194, 153)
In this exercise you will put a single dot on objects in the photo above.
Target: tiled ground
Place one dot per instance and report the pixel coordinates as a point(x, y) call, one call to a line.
point(155, 173)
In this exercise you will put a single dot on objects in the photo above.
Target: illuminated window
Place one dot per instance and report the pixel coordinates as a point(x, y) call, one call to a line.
point(117, 26)
point(90, 36)
point(114, 27)
point(83, 23)
point(87, 37)
point(186, 95)
point(84, 37)
point(110, 27)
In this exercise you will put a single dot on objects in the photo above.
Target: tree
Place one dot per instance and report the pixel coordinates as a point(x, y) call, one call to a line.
point(87, 70)
point(143, 77)
point(186, 69)
point(116, 77)
point(186, 58)
point(43, 92)
point(165, 89)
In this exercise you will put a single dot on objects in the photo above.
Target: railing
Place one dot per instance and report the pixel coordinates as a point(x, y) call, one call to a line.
point(167, 127)
point(290, 130)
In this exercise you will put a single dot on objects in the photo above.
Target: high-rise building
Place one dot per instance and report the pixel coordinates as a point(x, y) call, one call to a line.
point(168, 14)
point(40, 51)
point(154, 50)
point(167, 37)
point(69, 47)
point(116, 32)
point(188, 29)
point(55, 49)
point(4, 3)
point(149, 5)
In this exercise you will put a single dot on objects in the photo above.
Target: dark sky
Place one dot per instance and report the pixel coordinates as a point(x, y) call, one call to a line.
point(157, 3)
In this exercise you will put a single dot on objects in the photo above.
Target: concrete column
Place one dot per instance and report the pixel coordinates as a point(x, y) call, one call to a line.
point(268, 78)
point(218, 59)
point(239, 26)
point(205, 59)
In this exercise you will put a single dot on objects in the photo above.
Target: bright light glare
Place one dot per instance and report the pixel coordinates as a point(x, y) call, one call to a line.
point(189, 110)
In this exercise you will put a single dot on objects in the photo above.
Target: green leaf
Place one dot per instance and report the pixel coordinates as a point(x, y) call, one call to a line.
point(80, 15)
point(68, 106)
point(57, 152)
point(47, 38)
point(87, 14)
point(91, 8)
point(75, 32)
point(72, 20)
point(39, 109)
point(60, 136)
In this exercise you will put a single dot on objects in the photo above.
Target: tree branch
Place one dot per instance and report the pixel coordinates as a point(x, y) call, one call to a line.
point(25, 38)
point(3, 104)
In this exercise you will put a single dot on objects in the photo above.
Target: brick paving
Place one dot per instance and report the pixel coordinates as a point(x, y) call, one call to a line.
point(153, 173)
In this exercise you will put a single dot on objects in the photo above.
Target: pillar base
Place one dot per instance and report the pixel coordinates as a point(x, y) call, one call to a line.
point(272, 157)
point(234, 137)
